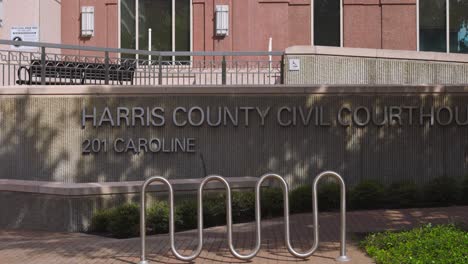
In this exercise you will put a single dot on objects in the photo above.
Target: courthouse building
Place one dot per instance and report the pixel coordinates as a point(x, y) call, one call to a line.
point(244, 25)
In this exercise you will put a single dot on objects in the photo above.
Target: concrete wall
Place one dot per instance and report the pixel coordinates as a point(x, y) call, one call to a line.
point(331, 65)
point(44, 131)
point(41, 140)
point(44, 14)
point(31, 205)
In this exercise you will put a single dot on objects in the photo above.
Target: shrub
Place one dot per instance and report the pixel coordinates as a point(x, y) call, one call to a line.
point(328, 196)
point(186, 215)
point(366, 195)
point(300, 199)
point(124, 221)
point(441, 191)
point(243, 207)
point(272, 202)
point(100, 221)
point(157, 218)
point(464, 191)
point(214, 210)
point(428, 244)
point(402, 195)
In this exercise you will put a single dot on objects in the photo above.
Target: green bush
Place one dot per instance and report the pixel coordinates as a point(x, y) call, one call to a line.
point(186, 215)
point(441, 191)
point(214, 210)
point(243, 207)
point(271, 202)
point(157, 217)
point(367, 195)
point(464, 191)
point(402, 195)
point(300, 199)
point(429, 244)
point(328, 196)
point(124, 221)
point(100, 221)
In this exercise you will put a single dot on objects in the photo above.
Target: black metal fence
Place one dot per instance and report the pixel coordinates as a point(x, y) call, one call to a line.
point(34, 63)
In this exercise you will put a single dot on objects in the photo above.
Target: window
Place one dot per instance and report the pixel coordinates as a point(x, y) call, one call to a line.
point(327, 22)
point(127, 24)
point(167, 33)
point(459, 26)
point(436, 32)
point(432, 25)
point(1, 13)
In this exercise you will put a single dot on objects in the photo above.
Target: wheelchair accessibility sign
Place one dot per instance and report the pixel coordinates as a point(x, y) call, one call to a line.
point(30, 34)
point(294, 65)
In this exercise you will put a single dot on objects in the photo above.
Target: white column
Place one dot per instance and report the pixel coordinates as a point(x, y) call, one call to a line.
point(448, 24)
point(191, 25)
point(341, 23)
point(312, 2)
point(119, 18)
point(173, 29)
point(417, 26)
point(270, 49)
point(149, 44)
point(137, 27)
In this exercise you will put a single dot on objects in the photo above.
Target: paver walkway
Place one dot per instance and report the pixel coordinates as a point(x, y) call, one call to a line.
point(45, 247)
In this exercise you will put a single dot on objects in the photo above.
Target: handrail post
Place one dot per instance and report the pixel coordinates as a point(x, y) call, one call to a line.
point(106, 68)
point(160, 69)
point(9, 70)
point(282, 70)
point(43, 65)
point(223, 71)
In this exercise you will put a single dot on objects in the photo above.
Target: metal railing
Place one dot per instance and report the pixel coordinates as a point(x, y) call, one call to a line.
point(342, 257)
point(36, 63)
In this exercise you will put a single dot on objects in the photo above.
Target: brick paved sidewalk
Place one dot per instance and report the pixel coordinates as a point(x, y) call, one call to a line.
point(44, 247)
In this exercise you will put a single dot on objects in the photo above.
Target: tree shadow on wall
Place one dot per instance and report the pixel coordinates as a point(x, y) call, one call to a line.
point(384, 153)
point(28, 133)
point(110, 166)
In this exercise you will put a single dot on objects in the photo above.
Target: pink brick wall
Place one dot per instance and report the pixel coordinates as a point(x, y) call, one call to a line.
point(106, 23)
point(252, 23)
point(388, 24)
point(381, 24)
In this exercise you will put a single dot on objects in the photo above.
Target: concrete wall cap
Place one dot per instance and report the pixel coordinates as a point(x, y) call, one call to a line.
point(101, 188)
point(377, 53)
point(273, 90)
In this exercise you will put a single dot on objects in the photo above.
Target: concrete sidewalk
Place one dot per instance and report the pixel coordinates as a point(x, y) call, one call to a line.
point(44, 247)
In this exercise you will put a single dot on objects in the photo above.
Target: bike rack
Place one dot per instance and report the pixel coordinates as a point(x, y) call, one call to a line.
point(342, 258)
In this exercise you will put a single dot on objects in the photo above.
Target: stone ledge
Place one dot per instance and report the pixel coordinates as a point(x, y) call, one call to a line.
point(378, 53)
point(104, 188)
point(254, 90)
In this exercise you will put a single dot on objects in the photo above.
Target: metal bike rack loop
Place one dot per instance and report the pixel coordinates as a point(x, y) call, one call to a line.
point(343, 257)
